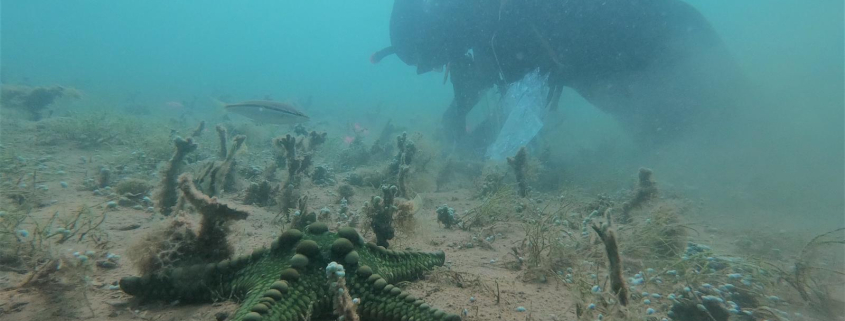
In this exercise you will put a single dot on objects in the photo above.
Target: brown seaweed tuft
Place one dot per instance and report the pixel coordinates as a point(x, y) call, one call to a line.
point(178, 244)
point(211, 241)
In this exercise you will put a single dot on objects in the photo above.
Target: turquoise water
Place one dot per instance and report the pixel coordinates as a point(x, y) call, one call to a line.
point(172, 50)
point(783, 151)
point(758, 180)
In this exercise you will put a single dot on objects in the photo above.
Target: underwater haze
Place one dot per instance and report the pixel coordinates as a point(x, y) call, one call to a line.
point(158, 156)
point(172, 50)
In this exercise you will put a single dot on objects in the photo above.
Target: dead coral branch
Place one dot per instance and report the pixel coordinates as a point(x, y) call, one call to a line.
point(402, 181)
point(211, 241)
point(617, 283)
point(296, 165)
point(199, 130)
point(167, 195)
point(302, 218)
point(316, 139)
point(219, 176)
point(221, 134)
point(400, 167)
point(519, 164)
point(646, 191)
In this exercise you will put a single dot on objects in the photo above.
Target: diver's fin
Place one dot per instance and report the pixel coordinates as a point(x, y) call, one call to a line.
point(218, 104)
point(554, 97)
point(377, 56)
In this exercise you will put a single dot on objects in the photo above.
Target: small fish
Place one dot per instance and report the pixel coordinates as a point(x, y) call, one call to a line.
point(268, 112)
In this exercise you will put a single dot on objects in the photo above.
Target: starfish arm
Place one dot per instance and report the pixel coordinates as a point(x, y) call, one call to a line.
point(288, 281)
point(396, 266)
point(195, 283)
point(274, 287)
point(381, 301)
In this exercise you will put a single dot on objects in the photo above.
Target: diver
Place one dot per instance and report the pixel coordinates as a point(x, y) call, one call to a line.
point(657, 66)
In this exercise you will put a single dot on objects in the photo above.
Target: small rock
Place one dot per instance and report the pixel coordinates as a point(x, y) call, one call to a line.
point(118, 304)
point(125, 202)
point(129, 227)
point(106, 264)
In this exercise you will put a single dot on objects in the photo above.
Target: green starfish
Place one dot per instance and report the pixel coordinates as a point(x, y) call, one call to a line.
point(288, 281)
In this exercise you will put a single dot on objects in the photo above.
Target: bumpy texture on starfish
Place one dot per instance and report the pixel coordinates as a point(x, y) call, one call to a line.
point(288, 282)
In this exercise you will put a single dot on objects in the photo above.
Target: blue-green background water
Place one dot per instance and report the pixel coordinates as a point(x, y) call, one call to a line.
point(782, 156)
point(173, 49)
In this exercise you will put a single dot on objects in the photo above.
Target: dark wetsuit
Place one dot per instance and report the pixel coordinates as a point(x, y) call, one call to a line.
point(657, 65)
